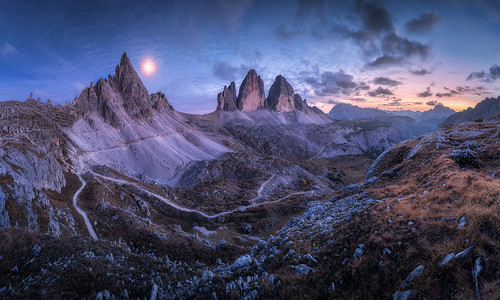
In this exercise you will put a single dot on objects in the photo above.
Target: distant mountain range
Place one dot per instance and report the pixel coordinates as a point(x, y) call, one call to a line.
point(487, 109)
point(426, 121)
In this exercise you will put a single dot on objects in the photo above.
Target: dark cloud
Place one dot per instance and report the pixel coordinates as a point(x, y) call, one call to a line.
point(492, 75)
point(375, 17)
point(380, 91)
point(395, 102)
point(332, 101)
point(386, 61)
point(284, 33)
point(425, 94)
point(426, 22)
point(225, 71)
point(358, 99)
point(420, 72)
point(332, 83)
point(396, 45)
point(386, 81)
point(362, 86)
point(460, 90)
point(433, 103)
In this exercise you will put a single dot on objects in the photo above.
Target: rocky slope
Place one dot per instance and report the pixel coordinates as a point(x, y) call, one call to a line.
point(404, 233)
point(489, 108)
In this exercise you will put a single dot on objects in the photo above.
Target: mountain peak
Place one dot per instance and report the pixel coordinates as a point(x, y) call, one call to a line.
point(281, 95)
point(120, 96)
point(125, 60)
point(251, 94)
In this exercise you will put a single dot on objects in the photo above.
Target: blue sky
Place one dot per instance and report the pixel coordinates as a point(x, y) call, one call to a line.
point(386, 54)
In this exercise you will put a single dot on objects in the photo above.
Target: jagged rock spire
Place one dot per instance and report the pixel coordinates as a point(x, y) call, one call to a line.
point(251, 95)
point(281, 95)
point(121, 96)
point(226, 100)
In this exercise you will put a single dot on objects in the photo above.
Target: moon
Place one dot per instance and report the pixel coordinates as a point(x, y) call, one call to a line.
point(148, 66)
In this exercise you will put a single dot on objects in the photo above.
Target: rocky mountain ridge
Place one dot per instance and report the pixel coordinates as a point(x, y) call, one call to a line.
point(489, 108)
point(251, 97)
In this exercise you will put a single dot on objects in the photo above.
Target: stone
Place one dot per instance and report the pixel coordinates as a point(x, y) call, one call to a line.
point(466, 159)
point(476, 269)
point(310, 258)
point(416, 272)
point(36, 250)
point(462, 222)
point(403, 295)
point(302, 269)
point(226, 100)
point(243, 262)
point(106, 294)
point(154, 292)
point(124, 294)
point(464, 253)
point(359, 251)
point(251, 95)
point(447, 259)
point(281, 96)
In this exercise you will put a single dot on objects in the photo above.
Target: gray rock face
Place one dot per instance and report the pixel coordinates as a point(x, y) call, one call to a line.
point(251, 95)
point(226, 100)
point(299, 103)
point(281, 95)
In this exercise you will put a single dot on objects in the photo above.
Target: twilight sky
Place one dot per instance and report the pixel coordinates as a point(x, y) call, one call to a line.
point(386, 54)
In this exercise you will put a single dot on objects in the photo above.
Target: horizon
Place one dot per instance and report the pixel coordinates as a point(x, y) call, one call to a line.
point(384, 55)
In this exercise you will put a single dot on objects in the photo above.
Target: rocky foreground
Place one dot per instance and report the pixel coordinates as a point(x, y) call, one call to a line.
point(423, 224)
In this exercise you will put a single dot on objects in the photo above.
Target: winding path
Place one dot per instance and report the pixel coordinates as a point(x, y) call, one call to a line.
point(176, 206)
point(80, 211)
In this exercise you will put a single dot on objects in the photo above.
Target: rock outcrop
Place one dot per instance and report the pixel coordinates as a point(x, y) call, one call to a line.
point(281, 96)
point(299, 103)
point(251, 94)
point(226, 100)
point(121, 96)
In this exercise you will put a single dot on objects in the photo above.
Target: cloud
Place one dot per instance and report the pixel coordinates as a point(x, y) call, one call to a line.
point(284, 33)
point(224, 70)
point(332, 101)
point(386, 81)
point(492, 75)
point(433, 103)
point(358, 99)
point(332, 83)
point(420, 72)
point(375, 17)
point(396, 45)
point(460, 90)
point(427, 92)
point(380, 91)
point(425, 23)
point(385, 61)
point(8, 49)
